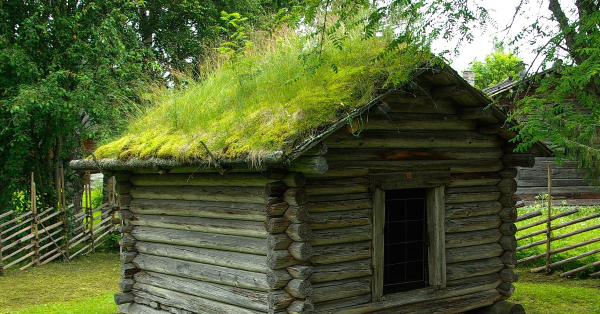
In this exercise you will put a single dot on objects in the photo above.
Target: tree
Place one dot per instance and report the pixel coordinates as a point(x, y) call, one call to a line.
point(496, 67)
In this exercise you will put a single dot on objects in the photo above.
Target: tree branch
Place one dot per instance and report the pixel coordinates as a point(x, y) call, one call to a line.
point(567, 30)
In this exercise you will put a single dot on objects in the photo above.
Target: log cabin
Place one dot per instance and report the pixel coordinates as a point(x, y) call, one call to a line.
point(568, 181)
point(402, 204)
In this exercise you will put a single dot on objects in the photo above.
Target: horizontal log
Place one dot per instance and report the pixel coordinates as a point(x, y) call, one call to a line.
point(297, 214)
point(518, 160)
point(509, 243)
point(301, 251)
point(127, 256)
point(308, 165)
point(473, 238)
point(278, 259)
point(337, 186)
point(296, 196)
point(343, 304)
point(300, 271)
point(508, 200)
point(127, 241)
point(253, 229)
point(340, 271)
point(276, 207)
point(299, 232)
point(339, 219)
point(319, 149)
point(202, 240)
point(462, 210)
point(278, 278)
point(256, 195)
point(139, 309)
point(278, 241)
point(508, 229)
point(473, 268)
point(126, 284)
point(474, 179)
point(294, 179)
point(340, 289)
point(420, 105)
point(301, 307)
point(338, 253)
point(128, 270)
point(243, 261)
point(472, 223)
point(125, 214)
point(501, 129)
point(507, 275)
point(510, 173)
point(341, 235)
point(419, 122)
point(170, 298)
point(203, 272)
point(507, 186)
point(276, 189)
point(476, 252)
point(123, 187)
point(123, 298)
point(276, 225)
point(318, 201)
point(528, 216)
point(474, 113)
point(455, 166)
point(472, 194)
point(508, 214)
point(124, 199)
point(411, 139)
point(206, 209)
point(408, 154)
point(506, 290)
point(299, 288)
point(201, 179)
point(543, 221)
point(338, 205)
point(559, 250)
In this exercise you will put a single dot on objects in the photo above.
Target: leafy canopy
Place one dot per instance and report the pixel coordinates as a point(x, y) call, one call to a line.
point(496, 67)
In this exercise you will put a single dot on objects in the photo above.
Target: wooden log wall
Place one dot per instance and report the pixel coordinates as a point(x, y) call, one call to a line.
point(415, 135)
point(214, 244)
point(567, 183)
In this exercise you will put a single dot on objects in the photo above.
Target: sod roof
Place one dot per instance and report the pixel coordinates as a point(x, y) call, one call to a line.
point(267, 102)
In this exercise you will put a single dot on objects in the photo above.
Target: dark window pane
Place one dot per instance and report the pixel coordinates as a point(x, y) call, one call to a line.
point(414, 231)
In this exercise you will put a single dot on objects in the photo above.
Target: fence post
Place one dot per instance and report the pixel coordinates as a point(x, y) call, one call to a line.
point(34, 225)
point(64, 212)
point(1, 259)
point(90, 210)
point(548, 227)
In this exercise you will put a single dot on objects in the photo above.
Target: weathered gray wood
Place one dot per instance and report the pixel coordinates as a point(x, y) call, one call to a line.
point(436, 224)
point(474, 179)
point(128, 270)
point(412, 139)
point(139, 309)
point(377, 258)
point(472, 194)
point(297, 214)
point(202, 240)
point(508, 275)
point(123, 187)
point(299, 232)
point(455, 166)
point(507, 186)
point(337, 186)
point(208, 225)
point(473, 223)
point(337, 198)
point(296, 196)
point(278, 277)
point(338, 253)
point(475, 252)
point(186, 301)
point(276, 207)
point(126, 284)
point(278, 241)
point(127, 256)
point(340, 235)
point(518, 160)
point(301, 307)
point(278, 259)
point(509, 259)
point(276, 189)
point(340, 289)
point(301, 251)
point(472, 238)
point(419, 122)
point(509, 173)
point(307, 165)
point(244, 261)
point(503, 307)
point(123, 297)
point(342, 304)
point(276, 225)
point(474, 268)
point(300, 271)
point(204, 272)
point(509, 243)
point(299, 288)
point(506, 290)
point(125, 214)
point(350, 204)
point(508, 229)
point(206, 209)
point(255, 195)
point(462, 210)
point(339, 219)
point(294, 179)
point(339, 271)
point(201, 179)
point(474, 113)
point(508, 200)
point(409, 179)
point(508, 214)
point(408, 154)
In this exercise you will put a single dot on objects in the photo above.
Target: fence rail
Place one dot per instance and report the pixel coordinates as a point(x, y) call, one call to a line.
point(38, 237)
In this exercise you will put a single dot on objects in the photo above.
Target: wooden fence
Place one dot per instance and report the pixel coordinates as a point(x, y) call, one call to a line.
point(523, 233)
point(37, 237)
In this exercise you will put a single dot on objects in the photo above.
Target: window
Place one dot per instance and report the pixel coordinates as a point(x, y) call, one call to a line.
point(408, 233)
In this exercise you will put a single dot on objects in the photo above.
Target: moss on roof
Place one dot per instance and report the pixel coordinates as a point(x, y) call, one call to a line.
point(263, 101)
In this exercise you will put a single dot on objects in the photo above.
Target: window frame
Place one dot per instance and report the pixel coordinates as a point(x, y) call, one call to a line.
point(434, 182)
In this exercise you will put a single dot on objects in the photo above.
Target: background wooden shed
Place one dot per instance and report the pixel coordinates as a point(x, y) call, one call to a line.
point(306, 232)
point(568, 184)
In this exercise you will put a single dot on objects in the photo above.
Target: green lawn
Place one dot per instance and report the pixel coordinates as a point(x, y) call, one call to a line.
point(85, 285)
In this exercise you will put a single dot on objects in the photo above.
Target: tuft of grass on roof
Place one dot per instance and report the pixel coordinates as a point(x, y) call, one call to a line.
point(264, 101)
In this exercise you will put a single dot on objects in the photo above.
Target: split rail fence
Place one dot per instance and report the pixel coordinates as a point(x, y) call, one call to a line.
point(39, 236)
point(523, 233)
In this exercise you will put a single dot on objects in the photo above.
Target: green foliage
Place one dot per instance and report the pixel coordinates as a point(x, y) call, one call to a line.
point(257, 102)
point(496, 67)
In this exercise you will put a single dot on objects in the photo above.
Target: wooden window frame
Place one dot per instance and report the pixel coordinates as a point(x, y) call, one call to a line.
point(434, 182)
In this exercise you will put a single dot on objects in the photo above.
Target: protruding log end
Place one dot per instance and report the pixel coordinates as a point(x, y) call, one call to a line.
point(305, 306)
point(508, 243)
point(508, 229)
point(276, 225)
point(299, 232)
point(506, 290)
point(127, 257)
point(314, 165)
point(278, 241)
point(299, 288)
point(276, 207)
point(508, 275)
point(500, 307)
point(280, 259)
point(123, 298)
point(128, 270)
point(278, 278)
point(300, 271)
point(127, 241)
point(297, 214)
point(508, 214)
point(509, 259)
point(295, 179)
point(126, 284)
point(275, 189)
point(125, 215)
point(512, 160)
point(301, 251)
point(296, 196)
point(474, 113)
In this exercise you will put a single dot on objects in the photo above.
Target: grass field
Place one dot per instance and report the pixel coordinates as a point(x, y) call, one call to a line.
point(86, 285)
point(583, 211)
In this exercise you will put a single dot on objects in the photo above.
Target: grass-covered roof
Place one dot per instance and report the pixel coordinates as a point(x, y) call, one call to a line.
point(265, 100)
